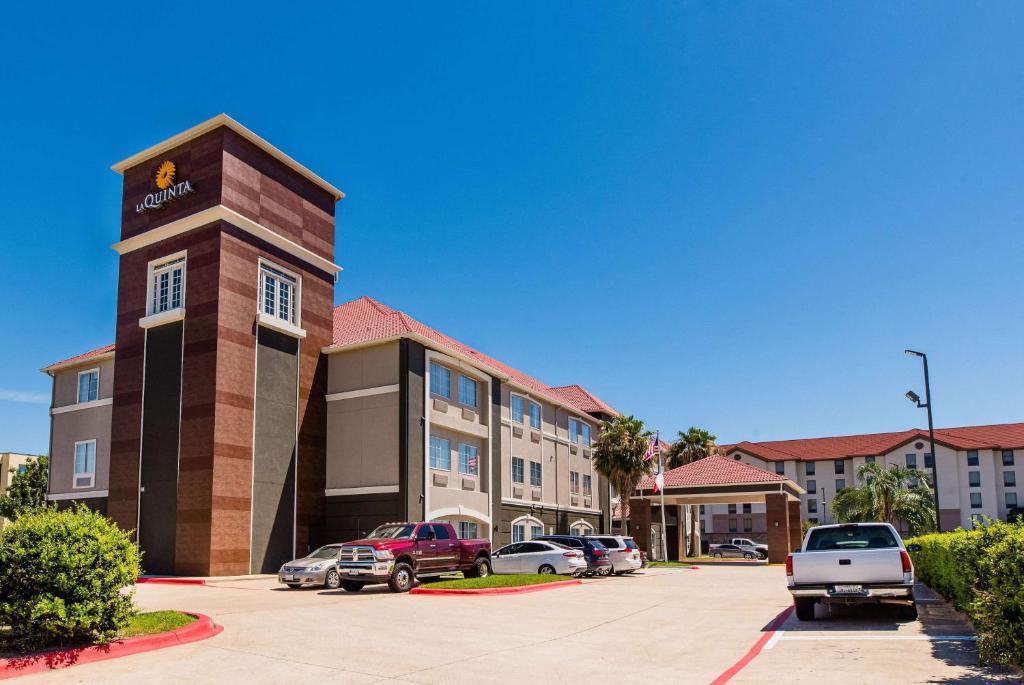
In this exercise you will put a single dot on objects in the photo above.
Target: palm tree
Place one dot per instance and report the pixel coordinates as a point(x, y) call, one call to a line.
point(891, 495)
point(692, 445)
point(619, 457)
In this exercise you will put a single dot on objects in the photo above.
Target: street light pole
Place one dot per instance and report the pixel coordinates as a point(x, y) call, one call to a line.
point(931, 431)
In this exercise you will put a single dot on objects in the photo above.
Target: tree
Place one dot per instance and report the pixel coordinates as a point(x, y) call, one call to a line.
point(891, 495)
point(27, 491)
point(619, 457)
point(691, 446)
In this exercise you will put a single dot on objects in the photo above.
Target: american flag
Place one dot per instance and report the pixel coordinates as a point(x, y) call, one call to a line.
point(653, 449)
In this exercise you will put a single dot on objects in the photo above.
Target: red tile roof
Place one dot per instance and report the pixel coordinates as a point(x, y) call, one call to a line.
point(713, 470)
point(1000, 436)
point(581, 397)
point(85, 356)
point(364, 321)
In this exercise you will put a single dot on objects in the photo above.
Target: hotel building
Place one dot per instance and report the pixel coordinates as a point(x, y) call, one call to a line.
point(976, 468)
point(240, 419)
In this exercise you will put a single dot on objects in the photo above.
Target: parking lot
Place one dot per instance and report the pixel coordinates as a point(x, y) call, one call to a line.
point(667, 625)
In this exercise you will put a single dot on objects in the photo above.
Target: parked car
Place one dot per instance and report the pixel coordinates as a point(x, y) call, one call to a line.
point(401, 553)
point(747, 543)
point(318, 568)
point(598, 562)
point(623, 552)
point(730, 550)
point(538, 556)
point(852, 563)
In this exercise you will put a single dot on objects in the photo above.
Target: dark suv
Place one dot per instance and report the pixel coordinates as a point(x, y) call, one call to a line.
point(598, 561)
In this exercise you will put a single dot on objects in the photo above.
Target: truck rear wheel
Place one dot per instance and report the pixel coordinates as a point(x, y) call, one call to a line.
point(481, 568)
point(401, 578)
point(805, 608)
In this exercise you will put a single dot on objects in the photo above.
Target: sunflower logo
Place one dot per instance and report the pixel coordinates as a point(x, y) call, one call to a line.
point(165, 175)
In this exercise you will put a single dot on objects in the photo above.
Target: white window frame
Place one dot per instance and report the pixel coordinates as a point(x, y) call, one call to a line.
point(584, 527)
point(78, 388)
point(513, 398)
point(512, 471)
point(438, 371)
point(449, 451)
point(293, 324)
point(540, 468)
point(528, 524)
point(588, 485)
point(465, 382)
point(476, 454)
point(476, 532)
point(155, 316)
point(574, 422)
point(540, 416)
point(586, 434)
point(574, 490)
point(75, 474)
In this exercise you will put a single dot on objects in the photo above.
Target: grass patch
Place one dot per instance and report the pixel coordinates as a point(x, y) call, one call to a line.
point(155, 622)
point(516, 580)
point(656, 564)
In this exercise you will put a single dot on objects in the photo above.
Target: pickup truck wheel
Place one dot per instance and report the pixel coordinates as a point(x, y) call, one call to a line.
point(805, 608)
point(748, 555)
point(481, 568)
point(352, 585)
point(333, 579)
point(909, 612)
point(401, 578)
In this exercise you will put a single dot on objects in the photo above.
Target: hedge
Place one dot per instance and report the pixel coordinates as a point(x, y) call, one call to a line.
point(981, 572)
point(62, 576)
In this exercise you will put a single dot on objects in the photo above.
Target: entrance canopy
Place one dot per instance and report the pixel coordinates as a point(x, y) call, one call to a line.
point(717, 480)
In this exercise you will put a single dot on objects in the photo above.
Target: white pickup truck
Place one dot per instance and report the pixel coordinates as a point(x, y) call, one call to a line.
point(851, 563)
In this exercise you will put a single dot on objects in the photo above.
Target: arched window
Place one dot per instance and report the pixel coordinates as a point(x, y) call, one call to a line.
point(526, 528)
point(581, 527)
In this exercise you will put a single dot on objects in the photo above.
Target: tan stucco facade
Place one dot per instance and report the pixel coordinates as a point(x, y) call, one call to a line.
point(10, 463)
point(73, 422)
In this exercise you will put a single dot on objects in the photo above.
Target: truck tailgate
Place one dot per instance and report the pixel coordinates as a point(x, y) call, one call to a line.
point(848, 566)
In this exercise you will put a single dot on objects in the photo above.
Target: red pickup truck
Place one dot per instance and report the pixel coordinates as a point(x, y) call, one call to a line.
point(399, 553)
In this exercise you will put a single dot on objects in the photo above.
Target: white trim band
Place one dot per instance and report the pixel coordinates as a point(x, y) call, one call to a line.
point(84, 494)
point(84, 405)
point(276, 324)
point(160, 318)
point(222, 213)
point(367, 490)
point(364, 392)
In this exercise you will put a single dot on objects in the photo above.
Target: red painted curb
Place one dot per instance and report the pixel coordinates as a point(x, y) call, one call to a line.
point(201, 629)
point(727, 675)
point(495, 590)
point(170, 581)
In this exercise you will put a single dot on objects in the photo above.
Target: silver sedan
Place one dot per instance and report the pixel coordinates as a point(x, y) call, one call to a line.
point(319, 568)
point(538, 556)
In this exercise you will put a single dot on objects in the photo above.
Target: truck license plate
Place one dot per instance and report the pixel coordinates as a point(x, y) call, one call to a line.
point(354, 571)
point(289, 577)
point(848, 589)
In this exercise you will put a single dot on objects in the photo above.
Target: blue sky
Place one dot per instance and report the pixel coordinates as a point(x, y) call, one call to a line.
point(732, 215)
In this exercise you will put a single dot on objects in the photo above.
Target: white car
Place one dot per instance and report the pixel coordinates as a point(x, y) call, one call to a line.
point(538, 556)
point(623, 552)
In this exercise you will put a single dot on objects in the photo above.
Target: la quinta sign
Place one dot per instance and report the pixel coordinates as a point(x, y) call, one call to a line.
point(168, 189)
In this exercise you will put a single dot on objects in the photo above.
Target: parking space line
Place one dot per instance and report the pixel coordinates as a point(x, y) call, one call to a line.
point(728, 674)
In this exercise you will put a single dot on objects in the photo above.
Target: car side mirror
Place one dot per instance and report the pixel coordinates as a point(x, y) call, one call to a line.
point(914, 547)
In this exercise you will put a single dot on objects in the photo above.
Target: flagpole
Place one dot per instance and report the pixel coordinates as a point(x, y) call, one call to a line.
point(661, 491)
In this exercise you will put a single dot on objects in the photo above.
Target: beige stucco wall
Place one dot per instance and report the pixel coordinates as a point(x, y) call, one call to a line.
point(362, 441)
point(368, 367)
point(65, 382)
point(69, 427)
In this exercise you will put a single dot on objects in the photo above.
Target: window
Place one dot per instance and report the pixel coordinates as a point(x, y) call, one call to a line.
point(586, 435)
point(1007, 457)
point(840, 466)
point(1009, 479)
point(440, 532)
point(89, 386)
point(1011, 500)
point(467, 530)
point(975, 500)
point(748, 525)
point(732, 508)
point(85, 464)
point(280, 294)
point(166, 285)
point(702, 508)
point(440, 454)
point(840, 484)
point(911, 461)
point(587, 486)
point(574, 482)
point(851, 537)
point(534, 415)
point(536, 532)
point(440, 381)
point(467, 391)
point(869, 460)
point(972, 457)
point(780, 468)
point(518, 533)
point(23, 468)
point(929, 460)
point(812, 486)
point(809, 468)
point(468, 462)
point(732, 525)
point(812, 506)
point(702, 526)
point(813, 520)
point(536, 474)
point(974, 479)
point(746, 508)
point(517, 408)
point(517, 470)
point(574, 431)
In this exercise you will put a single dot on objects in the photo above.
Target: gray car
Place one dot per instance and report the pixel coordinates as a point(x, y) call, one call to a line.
point(319, 568)
point(729, 550)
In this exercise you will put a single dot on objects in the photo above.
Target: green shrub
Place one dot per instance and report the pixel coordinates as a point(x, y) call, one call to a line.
point(982, 573)
point(62, 574)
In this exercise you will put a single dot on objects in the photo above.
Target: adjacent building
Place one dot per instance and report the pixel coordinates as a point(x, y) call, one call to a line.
point(240, 418)
point(11, 463)
point(976, 468)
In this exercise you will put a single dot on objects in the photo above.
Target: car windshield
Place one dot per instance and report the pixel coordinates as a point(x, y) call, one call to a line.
point(851, 537)
point(328, 552)
point(595, 544)
point(392, 532)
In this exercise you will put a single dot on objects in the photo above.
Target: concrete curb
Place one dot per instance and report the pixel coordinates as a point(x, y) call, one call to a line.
point(169, 581)
point(201, 629)
point(496, 590)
